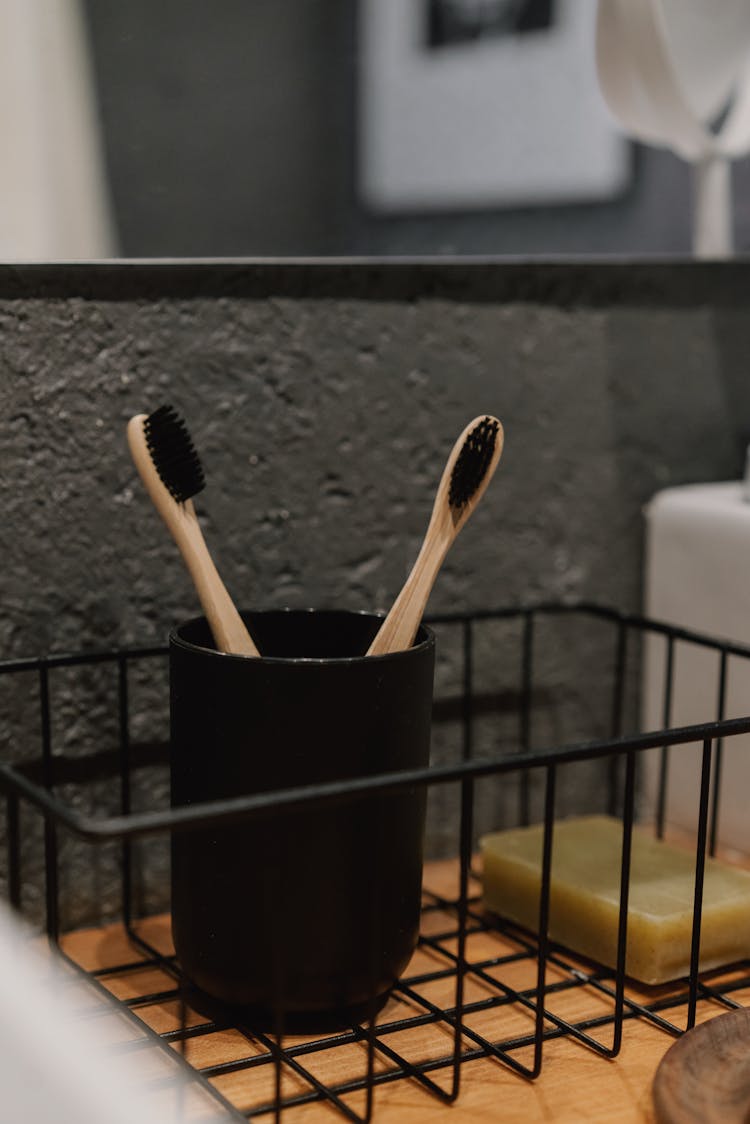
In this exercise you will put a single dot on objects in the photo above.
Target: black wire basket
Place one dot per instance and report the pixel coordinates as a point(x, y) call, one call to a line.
point(531, 710)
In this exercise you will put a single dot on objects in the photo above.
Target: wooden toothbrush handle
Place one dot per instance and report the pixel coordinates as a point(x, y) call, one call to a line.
point(399, 628)
point(229, 631)
point(227, 626)
point(467, 472)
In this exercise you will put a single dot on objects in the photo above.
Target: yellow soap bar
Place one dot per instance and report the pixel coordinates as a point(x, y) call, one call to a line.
point(585, 896)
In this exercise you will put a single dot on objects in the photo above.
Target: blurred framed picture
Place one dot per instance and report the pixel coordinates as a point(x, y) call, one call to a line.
point(482, 104)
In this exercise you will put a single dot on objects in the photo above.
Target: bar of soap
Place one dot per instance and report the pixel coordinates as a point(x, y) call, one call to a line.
point(585, 896)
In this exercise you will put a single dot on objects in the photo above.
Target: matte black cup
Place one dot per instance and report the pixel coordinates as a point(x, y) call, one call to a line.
point(314, 910)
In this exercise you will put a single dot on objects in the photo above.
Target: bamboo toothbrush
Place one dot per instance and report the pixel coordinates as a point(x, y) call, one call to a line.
point(467, 473)
point(171, 470)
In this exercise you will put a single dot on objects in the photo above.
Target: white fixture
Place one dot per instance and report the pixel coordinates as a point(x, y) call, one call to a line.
point(669, 70)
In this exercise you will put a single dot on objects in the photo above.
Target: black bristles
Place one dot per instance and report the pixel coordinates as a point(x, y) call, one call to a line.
point(173, 454)
point(472, 463)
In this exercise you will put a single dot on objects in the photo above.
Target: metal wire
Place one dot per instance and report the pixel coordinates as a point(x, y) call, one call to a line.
point(123, 714)
point(713, 830)
point(548, 970)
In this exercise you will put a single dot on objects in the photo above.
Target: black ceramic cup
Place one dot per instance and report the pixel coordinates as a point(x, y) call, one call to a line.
point(314, 910)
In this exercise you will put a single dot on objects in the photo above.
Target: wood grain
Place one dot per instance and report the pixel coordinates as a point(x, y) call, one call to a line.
point(576, 1084)
point(399, 628)
point(228, 628)
point(705, 1077)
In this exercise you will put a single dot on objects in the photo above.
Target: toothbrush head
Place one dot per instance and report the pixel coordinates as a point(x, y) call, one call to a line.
point(173, 454)
point(472, 463)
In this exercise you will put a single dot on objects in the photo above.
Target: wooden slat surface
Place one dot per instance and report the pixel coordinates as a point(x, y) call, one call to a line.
point(576, 1084)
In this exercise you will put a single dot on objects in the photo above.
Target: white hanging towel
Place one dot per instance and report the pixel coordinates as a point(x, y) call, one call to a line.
point(666, 69)
point(53, 194)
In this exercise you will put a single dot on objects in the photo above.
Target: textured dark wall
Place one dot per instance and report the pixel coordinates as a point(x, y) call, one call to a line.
point(324, 420)
point(323, 401)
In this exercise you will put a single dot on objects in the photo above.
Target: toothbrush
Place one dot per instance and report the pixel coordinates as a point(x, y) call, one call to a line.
point(171, 470)
point(467, 473)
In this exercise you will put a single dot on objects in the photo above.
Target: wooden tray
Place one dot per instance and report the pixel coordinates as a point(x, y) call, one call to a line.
point(576, 1083)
